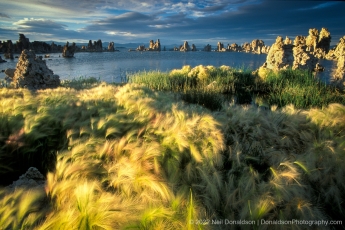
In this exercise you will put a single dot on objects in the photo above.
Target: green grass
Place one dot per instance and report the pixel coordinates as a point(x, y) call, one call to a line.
point(300, 88)
point(203, 85)
point(211, 86)
point(130, 157)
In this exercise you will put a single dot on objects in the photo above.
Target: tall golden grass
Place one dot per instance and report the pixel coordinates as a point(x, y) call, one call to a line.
point(133, 158)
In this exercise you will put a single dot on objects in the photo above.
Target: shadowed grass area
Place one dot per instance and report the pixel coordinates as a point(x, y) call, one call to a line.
point(203, 85)
point(129, 157)
point(298, 87)
point(211, 86)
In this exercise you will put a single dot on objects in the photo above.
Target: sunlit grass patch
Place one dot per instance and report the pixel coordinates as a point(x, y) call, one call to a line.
point(136, 157)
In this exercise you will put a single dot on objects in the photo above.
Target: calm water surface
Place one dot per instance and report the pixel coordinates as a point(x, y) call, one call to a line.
point(114, 66)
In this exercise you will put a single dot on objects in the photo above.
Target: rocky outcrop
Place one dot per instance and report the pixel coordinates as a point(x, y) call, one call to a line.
point(207, 48)
point(324, 41)
point(234, 47)
point(303, 60)
point(9, 74)
point(9, 50)
point(32, 73)
point(299, 41)
point(111, 47)
point(23, 43)
point(337, 51)
point(154, 46)
point(318, 44)
point(31, 179)
point(283, 55)
point(141, 48)
point(68, 51)
point(40, 47)
point(312, 39)
point(220, 47)
point(96, 46)
point(287, 41)
point(265, 49)
point(246, 47)
point(257, 45)
point(280, 55)
point(340, 71)
point(185, 47)
point(55, 48)
point(193, 47)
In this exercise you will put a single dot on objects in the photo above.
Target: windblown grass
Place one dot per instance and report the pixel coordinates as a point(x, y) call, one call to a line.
point(203, 85)
point(135, 158)
point(209, 85)
point(298, 87)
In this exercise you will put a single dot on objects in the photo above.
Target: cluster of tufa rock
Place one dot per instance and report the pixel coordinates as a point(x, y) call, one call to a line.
point(154, 46)
point(111, 47)
point(32, 72)
point(337, 51)
point(303, 54)
point(280, 55)
point(256, 46)
point(31, 179)
point(8, 47)
point(68, 51)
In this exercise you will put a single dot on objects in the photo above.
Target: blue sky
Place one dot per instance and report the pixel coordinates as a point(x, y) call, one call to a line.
point(199, 22)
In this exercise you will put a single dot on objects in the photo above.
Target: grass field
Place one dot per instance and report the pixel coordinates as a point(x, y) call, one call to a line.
point(141, 156)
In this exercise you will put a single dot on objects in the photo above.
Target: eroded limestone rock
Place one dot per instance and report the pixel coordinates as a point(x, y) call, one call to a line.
point(207, 48)
point(220, 47)
point(340, 72)
point(246, 47)
point(312, 39)
point(9, 74)
point(324, 41)
point(257, 46)
point(283, 55)
point(32, 178)
point(338, 51)
point(280, 55)
point(32, 72)
point(234, 47)
point(299, 41)
point(287, 41)
point(68, 51)
point(111, 46)
point(154, 46)
point(185, 47)
point(302, 59)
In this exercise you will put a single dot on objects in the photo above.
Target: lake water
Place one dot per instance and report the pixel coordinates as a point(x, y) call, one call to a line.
point(114, 66)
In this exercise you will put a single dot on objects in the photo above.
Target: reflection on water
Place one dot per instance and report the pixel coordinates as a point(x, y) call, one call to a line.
point(112, 66)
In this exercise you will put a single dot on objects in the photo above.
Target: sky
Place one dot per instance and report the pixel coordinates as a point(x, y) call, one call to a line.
point(199, 22)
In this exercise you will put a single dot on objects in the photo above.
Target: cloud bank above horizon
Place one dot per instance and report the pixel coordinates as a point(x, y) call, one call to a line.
point(198, 22)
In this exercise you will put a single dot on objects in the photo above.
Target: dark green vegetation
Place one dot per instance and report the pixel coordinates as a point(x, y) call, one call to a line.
point(129, 157)
point(210, 86)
